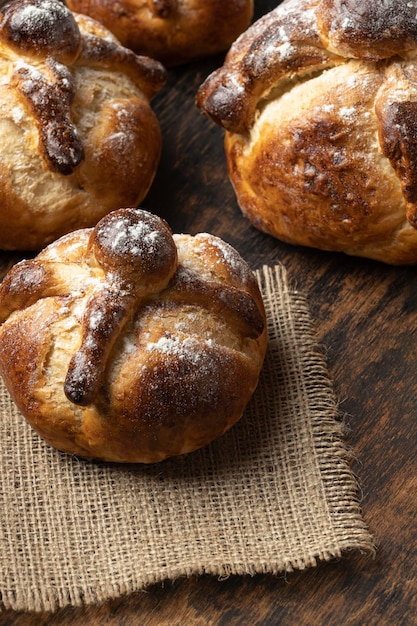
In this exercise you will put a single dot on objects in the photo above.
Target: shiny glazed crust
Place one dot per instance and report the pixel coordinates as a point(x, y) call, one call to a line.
point(78, 136)
point(173, 31)
point(127, 343)
point(319, 101)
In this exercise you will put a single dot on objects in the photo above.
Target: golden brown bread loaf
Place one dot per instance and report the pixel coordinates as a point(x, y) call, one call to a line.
point(126, 343)
point(319, 103)
point(77, 135)
point(173, 31)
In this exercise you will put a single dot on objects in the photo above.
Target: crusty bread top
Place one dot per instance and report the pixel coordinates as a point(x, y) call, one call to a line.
point(288, 50)
point(78, 136)
point(298, 38)
point(365, 29)
point(172, 31)
point(47, 38)
point(125, 342)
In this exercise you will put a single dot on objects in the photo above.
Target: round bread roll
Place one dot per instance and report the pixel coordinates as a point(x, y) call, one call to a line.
point(319, 103)
point(126, 343)
point(173, 31)
point(78, 136)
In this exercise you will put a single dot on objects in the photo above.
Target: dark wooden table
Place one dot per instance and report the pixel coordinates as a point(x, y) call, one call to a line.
point(366, 316)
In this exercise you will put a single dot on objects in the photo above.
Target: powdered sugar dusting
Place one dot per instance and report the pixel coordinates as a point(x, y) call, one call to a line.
point(188, 348)
point(46, 23)
point(121, 140)
point(30, 75)
point(36, 17)
point(286, 51)
point(124, 137)
point(17, 114)
point(228, 255)
point(348, 23)
point(137, 238)
point(347, 112)
point(96, 318)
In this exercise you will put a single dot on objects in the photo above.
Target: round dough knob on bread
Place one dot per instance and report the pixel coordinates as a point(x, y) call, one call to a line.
point(319, 103)
point(78, 136)
point(127, 343)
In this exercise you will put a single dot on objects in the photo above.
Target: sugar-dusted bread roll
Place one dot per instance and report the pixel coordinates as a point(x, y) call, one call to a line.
point(77, 135)
point(127, 343)
point(319, 103)
point(173, 31)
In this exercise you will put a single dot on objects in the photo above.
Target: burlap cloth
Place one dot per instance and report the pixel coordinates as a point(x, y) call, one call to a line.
point(274, 493)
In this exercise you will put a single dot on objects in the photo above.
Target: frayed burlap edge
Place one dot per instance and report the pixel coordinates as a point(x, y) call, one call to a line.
point(344, 528)
point(341, 488)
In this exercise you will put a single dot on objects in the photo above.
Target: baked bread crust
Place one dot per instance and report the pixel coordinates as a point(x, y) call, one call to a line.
point(319, 101)
point(78, 136)
point(126, 343)
point(173, 31)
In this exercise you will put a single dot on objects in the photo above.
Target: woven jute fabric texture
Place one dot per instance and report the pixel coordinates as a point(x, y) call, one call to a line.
point(274, 493)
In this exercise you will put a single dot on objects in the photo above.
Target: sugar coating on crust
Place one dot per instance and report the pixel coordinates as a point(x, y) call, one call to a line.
point(79, 137)
point(46, 31)
point(144, 344)
point(319, 101)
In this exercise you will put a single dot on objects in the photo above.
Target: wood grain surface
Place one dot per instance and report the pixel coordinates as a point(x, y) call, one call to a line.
point(365, 314)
